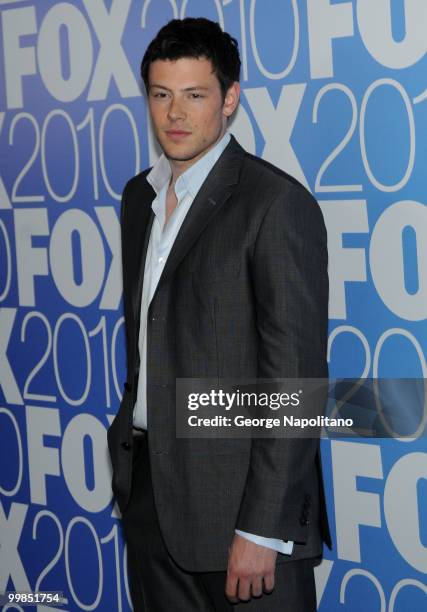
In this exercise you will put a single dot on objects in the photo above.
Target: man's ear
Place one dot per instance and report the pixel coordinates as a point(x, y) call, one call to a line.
point(231, 100)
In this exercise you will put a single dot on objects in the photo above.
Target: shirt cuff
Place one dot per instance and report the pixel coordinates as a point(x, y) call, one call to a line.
point(282, 546)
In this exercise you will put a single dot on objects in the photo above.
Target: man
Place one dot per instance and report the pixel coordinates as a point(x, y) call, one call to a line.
point(224, 275)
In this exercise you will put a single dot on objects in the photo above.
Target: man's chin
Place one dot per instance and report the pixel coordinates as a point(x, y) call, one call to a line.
point(180, 156)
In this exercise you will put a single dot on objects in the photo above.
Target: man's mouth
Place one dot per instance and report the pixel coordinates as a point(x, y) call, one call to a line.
point(177, 134)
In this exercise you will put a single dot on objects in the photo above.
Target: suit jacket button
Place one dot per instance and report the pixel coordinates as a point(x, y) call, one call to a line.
point(126, 445)
point(303, 521)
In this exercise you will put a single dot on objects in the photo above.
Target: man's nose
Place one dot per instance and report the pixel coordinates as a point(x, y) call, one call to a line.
point(176, 110)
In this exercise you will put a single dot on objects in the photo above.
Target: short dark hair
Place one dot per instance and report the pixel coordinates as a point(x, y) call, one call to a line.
point(195, 38)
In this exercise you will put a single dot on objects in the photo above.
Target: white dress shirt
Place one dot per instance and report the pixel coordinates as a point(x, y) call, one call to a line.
point(160, 244)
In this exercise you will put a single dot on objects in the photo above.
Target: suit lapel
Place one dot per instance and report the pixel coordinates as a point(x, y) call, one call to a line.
point(137, 234)
point(212, 195)
point(137, 285)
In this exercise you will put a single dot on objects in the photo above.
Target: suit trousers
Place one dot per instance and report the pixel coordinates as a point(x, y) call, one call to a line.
point(158, 584)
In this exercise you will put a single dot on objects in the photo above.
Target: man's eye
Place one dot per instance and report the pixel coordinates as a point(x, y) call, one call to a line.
point(158, 94)
point(195, 96)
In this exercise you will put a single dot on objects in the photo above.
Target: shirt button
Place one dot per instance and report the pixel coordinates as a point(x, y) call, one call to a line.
point(161, 260)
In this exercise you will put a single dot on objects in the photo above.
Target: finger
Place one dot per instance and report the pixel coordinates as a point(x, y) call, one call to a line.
point(268, 583)
point(244, 591)
point(231, 588)
point(256, 587)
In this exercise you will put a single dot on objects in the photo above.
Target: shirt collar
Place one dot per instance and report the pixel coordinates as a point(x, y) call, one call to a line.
point(192, 179)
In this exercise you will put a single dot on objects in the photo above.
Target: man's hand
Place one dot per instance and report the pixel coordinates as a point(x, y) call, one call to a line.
point(249, 564)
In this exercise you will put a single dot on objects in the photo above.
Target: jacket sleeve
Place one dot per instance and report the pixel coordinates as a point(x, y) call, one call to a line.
point(290, 281)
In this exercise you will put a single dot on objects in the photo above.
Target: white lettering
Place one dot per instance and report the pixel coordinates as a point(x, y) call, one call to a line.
point(345, 264)
point(8, 382)
point(402, 508)
point(375, 25)
point(387, 259)
point(78, 223)
point(80, 53)
point(42, 460)
point(352, 506)
point(112, 62)
point(10, 561)
point(75, 463)
point(278, 149)
point(326, 21)
point(110, 224)
point(18, 61)
point(30, 261)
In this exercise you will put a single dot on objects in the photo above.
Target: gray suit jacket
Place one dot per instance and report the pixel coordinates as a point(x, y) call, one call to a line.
point(244, 293)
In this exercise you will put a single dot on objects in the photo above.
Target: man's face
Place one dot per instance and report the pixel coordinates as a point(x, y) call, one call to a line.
point(188, 112)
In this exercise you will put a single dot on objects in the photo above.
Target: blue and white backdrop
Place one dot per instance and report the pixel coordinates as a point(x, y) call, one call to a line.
point(335, 93)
